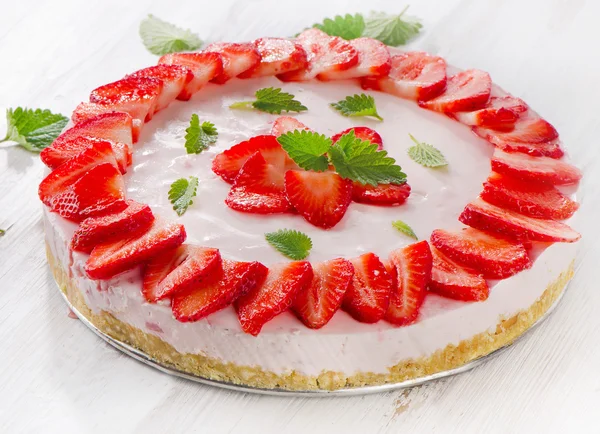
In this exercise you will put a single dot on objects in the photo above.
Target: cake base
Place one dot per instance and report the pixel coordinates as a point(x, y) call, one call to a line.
point(451, 360)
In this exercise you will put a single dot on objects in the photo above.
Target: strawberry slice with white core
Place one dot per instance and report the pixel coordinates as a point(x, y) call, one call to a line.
point(452, 280)
point(173, 77)
point(87, 111)
point(236, 58)
point(535, 200)
point(494, 258)
point(273, 296)
point(111, 258)
point(529, 129)
point(382, 194)
point(413, 75)
point(373, 61)
point(322, 198)
point(136, 217)
point(368, 295)
point(220, 290)
point(278, 55)
point(325, 54)
point(535, 169)
point(411, 272)
point(179, 270)
point(258, 188)
point(362, 133)
point(550, 149)
point(490, 218)
point(316, 304)
point(204, 67)
point(500, 113)
point(287, 124)
point(465, 91)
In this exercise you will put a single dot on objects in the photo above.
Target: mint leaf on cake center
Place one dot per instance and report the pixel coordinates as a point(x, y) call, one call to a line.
point(307, 149)
point(181, 193)
point(426, 154)
point(290, 243)
point(198, 137)
point(405, 229)
point(357, 105)
point(271, 100)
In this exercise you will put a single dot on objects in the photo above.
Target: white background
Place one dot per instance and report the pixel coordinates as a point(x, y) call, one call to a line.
point(56, 376)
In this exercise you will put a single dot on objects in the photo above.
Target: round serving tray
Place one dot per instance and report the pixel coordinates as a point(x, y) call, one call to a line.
point(354, 391)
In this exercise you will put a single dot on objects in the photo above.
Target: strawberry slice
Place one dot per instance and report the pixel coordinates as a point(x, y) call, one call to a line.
point(500, 113)
point(535, 169)
point(228, 163)
point(258, 188)
point(534, 200)
point(487, 217)
point(373, 61)
point(368, 295)
point(317, 302)
point(325, 54)
point(278, 55)
point(495, 258)
point(321, 198)
point(273, 296)
point(204, 67)
point(286, 124)
point(452, 280)
point(382, 194)
point(178, 270)
point(363, 133)
point(111, 258)
point(465, 91)
point(413, 75)
point(174, 79)
point(411, 272)
point(87, 111)
point(92, 231)
point(236, 58)
point(226, 285)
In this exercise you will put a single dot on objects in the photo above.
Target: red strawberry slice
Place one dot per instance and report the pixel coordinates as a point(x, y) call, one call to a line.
point(173, 77)
point(228, 163)
point(286, 124)
point(236, 58)
point(226, 285)
point(465, 91)
point(452, 280)
point(373, 61)
point(92, 231)
point(368, 295)
point(487, 217)
point(204, 67)
point(494, 258)
point(363, 133)
point(500, 113)
point(411, 272)
point(278, 55)
point(273, 296)
point(87, 111)
point(111, 258)
point(535, 200)
point(179, 270)
point(535, 169)
point(258, 188)
point(317, 302)
point(382, 194)
point(413, 75)
point(321, 198)
point(325, 54)
point(529, 129)
point(550, 149)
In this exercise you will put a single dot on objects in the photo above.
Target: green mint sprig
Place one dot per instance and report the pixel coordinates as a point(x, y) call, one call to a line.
point(271, 100)
point(198, 137)
point(290, 243)
point(34, 130)
point(181, 194)
point(426, 155)
point(405, 229)
point(357, 105)
point(161, 37)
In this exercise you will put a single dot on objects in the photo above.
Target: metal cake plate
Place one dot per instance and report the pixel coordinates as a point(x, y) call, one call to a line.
point(354, 391)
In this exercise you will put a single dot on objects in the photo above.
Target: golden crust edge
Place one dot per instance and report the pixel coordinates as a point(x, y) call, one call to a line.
point(450, 357)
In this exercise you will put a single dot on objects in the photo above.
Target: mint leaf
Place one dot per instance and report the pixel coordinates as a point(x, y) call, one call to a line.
point(271, 100)
point(33, 129)
point(2, 232)
point(357, 105)
point(160, 37)
point(199, 137)
point(425, 154)
point(307, 149)
point(405, 229)
point(181, 193)
point(346, 27)
point(392, 30)
point(290, 243)
point(359, 160)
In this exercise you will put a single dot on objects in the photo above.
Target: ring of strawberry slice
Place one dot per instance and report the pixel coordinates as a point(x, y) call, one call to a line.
point(521, 202)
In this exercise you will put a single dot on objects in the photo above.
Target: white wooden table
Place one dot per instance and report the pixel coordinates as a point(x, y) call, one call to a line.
point(56, 376)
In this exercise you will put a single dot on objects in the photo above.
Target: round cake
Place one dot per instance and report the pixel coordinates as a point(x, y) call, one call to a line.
point(168, 222)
